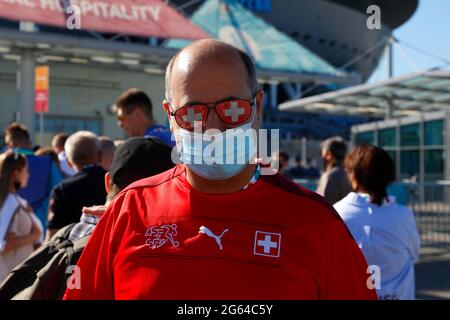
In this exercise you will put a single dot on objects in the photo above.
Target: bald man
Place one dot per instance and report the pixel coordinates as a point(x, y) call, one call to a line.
point(215, 227)
point(85, 188)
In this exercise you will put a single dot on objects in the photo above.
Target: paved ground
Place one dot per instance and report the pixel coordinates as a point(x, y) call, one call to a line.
point(433, 273)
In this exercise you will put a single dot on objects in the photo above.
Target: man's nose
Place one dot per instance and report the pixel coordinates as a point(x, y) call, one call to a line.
point(214, 122)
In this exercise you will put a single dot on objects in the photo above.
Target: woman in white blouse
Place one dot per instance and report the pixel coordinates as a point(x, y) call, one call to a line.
point(20, 229)
point(385, 231)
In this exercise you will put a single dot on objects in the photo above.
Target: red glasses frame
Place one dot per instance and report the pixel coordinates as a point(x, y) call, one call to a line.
point(231, 112)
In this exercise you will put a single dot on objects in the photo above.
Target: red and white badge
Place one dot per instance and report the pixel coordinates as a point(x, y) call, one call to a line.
point(267, 244)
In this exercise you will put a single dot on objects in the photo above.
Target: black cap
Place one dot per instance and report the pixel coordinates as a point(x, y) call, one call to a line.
point(138, 158)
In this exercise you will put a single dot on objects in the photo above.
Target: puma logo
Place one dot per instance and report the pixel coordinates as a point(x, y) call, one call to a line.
point(209, 233)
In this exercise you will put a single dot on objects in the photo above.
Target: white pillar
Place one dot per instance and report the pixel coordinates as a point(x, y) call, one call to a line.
point(390, 58)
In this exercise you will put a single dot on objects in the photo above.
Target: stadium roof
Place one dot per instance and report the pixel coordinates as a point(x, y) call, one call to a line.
point(276, 55)
point(403, 96)
point(48, 47)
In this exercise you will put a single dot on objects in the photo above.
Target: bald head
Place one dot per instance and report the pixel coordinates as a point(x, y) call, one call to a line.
point(83, 148)
point(207, 55)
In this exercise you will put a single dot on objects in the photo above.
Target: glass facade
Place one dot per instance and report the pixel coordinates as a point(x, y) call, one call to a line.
point(409, 164)
point(434, 164)
point(410, 135)
point(54, 124)
point(418, 152)
point(387, 137)
point(434, 133)
point(365, 137)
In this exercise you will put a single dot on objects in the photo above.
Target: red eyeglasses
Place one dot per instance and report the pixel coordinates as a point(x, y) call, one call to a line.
point(231, 112)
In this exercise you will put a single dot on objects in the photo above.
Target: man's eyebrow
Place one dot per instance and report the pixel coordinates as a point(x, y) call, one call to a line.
point(190, 103)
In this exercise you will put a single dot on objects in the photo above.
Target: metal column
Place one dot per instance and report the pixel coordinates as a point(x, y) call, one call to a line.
point(390, 64)
point(25, 88)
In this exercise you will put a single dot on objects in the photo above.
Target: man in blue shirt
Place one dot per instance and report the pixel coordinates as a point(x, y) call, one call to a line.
point(134, 116)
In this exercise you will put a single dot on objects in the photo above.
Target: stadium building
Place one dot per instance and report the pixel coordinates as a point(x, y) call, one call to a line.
point(117, 49)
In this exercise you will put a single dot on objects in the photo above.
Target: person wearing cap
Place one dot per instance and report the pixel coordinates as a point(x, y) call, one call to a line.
point(135, 159)
point(209, 229)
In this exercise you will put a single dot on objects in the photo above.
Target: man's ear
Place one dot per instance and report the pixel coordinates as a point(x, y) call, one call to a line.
point(259, 104)
point(353, 182)
point(107, 182)
point(167, 109)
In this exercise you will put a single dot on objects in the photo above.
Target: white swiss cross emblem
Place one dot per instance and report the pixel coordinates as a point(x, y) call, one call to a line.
point(267, 244)
point(192, 116)
point(234, 111)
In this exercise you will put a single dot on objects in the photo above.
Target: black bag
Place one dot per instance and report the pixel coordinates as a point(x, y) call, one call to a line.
point(43, 276)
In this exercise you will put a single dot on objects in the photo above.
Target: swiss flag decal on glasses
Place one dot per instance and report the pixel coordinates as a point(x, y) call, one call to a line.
point(187, 116)
point(231, 112)
point(234, 112)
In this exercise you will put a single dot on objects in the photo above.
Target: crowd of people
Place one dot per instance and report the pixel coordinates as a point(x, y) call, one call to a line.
point(160, 230)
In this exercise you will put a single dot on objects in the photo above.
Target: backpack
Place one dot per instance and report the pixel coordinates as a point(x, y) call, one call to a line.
point(43, 276)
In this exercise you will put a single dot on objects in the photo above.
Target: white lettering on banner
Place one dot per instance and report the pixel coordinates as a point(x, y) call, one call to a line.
point(114, 12)
point(142, 13)
point(23, 3)
point(104, 9)
point(48, 5)
point(154, 10)
point(85, 7)
point(96, 8)
point(121, 11)
point(126, 15)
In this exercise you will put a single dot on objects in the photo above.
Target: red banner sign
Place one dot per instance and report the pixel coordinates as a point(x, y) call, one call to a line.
point(148, 18)
point(41, 85)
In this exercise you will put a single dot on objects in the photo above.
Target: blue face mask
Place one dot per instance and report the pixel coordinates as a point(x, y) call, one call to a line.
point(219, 156)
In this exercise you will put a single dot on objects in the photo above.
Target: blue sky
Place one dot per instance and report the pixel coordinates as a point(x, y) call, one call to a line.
point(428, 29)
